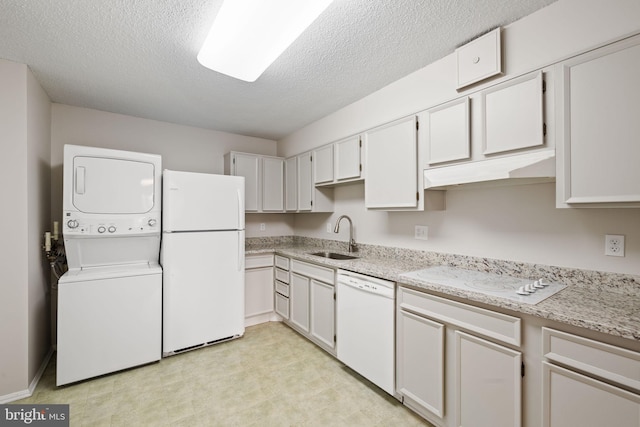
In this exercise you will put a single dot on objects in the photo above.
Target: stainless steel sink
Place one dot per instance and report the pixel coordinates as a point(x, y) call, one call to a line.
point(332, 255)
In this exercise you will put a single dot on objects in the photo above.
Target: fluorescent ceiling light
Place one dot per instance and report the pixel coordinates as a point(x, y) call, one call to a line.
point(248, 35)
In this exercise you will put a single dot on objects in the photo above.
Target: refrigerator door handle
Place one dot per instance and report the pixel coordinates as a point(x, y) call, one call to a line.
point(240, 251)
point(240, 209)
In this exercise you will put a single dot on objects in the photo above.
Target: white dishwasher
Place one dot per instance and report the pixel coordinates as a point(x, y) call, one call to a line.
point(365, 327)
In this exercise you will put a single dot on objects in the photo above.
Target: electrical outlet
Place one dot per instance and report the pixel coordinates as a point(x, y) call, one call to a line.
point(614, 245)
point(421, 232)
point(263, 226)
point(329, 230)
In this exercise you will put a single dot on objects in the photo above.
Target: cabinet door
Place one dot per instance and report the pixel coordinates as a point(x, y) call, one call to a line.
point(347, 159)
point(305, 182)
point(247, 165)
point(513, 115)
point(448, 132)
point(258, 291)
point(573, 400)
point(488, 383)
point(420, 361)
point(391, 173)
point(272, 184)
point(299, 301)
point(598, 149)
point(323, 165)
point(291, 184)
point(323, 312)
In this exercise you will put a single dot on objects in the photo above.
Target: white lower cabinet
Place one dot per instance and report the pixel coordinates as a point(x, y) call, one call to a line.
point(597, 385)
point(258, 289)
point(420, 362)
point(311, 307)
point(488, 383)
point(299, 301)
point(453, 378)
point(575, 400)
point(323, 312)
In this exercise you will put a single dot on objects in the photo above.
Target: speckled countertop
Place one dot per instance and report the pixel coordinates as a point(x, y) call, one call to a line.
point(603, 302)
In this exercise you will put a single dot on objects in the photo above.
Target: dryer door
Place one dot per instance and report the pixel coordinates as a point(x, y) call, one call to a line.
point(112, 186)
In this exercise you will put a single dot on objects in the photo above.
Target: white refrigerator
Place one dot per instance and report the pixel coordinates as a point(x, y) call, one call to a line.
point(202, 257)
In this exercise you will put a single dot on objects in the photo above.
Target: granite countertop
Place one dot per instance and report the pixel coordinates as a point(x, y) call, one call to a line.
point(602, 302)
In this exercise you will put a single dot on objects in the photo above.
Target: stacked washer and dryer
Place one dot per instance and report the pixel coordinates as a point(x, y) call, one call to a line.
point(110, 299)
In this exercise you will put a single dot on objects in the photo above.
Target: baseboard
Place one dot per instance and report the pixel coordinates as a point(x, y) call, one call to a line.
point(23, 394)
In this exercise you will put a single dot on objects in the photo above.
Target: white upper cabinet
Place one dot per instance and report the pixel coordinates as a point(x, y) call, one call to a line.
point(246, 165)
point(479, 59)
point(291, 184)
point(392, 166)
point(393, 180)
point(513, 114)
point(448, 132)
point(272, 184)
point(263, 180)
point(323, 164)
point(310, 198)
point(337, 163)
point(305, 182)
point(348, 164)
point(598, 128)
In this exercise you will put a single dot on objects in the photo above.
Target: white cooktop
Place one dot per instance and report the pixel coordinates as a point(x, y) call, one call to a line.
point(513, 288)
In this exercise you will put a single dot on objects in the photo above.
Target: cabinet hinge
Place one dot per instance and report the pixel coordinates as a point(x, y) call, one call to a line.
point(544, 129)
point(360, 142)
point(360, 167)
point(233, 160)
point(311, 203)
point(417, 195)
point(544, 86)
point(522, 369)
point(417, 125)
point(311, 158)
point(334, 338)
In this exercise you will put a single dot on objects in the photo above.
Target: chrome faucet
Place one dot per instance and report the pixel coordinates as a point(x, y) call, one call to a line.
point(352, 243)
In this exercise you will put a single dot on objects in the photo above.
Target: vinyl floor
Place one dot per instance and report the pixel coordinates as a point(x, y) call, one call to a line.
point(270, 377)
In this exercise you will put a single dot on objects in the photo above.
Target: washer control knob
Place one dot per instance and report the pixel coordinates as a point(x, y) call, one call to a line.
point(152, 222)
point(72, 223)
point(101, 229)
point(112, 229)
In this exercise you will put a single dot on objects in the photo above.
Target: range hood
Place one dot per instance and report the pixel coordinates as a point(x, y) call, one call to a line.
point(538, 166)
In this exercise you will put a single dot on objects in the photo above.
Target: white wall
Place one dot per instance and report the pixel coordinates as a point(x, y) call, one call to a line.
point(38, 172)
point(24, 172)
point(181, 147)
point(513, 223)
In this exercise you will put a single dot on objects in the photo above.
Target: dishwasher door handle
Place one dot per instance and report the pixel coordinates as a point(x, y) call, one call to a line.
point(366, 286)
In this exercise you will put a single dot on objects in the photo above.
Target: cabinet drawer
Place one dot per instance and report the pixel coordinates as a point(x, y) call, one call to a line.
point(485, 322)
point(314, 271)
point(602, 360)
point(257, 261)
point(282, 275)
point(479, 59)
point(282, 262)
point(282, 288)
point(282, 305)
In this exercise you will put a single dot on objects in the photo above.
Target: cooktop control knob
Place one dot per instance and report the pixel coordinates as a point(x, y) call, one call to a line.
point(543, 283)
point(112, 229)
point(72, 223)
point(521, 291)
point(101, 229)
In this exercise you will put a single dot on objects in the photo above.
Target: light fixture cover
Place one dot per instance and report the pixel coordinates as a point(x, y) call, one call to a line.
point(248, 35)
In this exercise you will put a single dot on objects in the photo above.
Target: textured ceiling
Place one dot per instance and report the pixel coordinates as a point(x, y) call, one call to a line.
point(138, 57)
